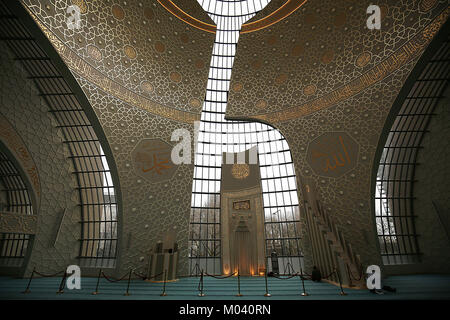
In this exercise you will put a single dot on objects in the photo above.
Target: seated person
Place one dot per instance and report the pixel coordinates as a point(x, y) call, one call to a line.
point(315, 275)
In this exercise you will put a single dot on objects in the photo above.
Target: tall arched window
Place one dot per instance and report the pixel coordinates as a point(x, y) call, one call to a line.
point(278, 183)
point(97, 192)
point(14, 198)
point(394, 210)
point(218, 135)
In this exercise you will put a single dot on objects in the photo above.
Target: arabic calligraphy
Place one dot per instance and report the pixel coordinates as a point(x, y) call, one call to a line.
point(152, 159)
point(241, 205)
point(332, 154)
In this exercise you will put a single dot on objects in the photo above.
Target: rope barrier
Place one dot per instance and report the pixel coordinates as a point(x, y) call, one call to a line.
point(49, 275)
point(200, 285)
point(112, 278)
point(329, 275)
point(139, 275)
point(239, 294)
point(303, 283)
point(306, 277)
point(290, 277)
point(309, 276)
point(61, 285)
point(163, 294)
point(220, 277)
point(361, 273)
point(267, 294)
point(100, 275)
point(342, 293)
point(98, 282)
point(27, 290)
point(148, 278)
point(127, 293)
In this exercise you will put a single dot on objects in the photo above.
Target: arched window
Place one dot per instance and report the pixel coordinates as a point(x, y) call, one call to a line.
point(218, 135)
point(98, 194)
point(394, 210)
point(14, 198)
point(279, 191)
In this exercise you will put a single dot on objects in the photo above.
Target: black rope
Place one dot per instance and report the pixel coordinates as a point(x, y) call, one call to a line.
point(329, 275)
point(353, 277)
point(114, 280)
point(139, 275)
point(49, 275)
point(155, 276)
point(220, 277)
point(290, 277)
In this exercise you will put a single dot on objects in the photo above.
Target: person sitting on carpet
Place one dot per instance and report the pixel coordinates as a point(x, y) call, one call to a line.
point(316, 275)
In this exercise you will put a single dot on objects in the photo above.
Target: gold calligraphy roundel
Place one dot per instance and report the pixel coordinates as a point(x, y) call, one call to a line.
point(152, 160)
point(332, 154)
point(240, 171)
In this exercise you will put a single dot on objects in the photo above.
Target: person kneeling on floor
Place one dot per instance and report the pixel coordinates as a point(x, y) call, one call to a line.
point(316, 275)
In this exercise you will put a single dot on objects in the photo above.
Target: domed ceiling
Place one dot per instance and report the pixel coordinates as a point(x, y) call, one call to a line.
point(297, 60)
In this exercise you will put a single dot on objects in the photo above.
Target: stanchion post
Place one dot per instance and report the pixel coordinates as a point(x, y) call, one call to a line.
point(239, 294)
point(201, 294)
point(128, 285)
point(342, 293)
point(303, 283)
point(98, 282)
point(27, 290)
point(163, 294)
point(267, 294)
point(62, 284)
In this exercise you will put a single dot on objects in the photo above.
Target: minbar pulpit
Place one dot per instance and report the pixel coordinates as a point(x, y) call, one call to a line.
point(164, 259)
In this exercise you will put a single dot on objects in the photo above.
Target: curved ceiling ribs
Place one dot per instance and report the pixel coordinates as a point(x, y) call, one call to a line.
point(394, 211)
point(14, 198)
point(98, 194)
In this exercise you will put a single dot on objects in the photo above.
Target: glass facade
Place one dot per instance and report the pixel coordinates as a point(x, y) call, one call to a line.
point(14, 197)
point(97, 191)
point(218, 135)
point(394, 212)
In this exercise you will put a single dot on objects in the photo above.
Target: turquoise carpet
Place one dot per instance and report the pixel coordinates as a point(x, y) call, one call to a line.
point(253, 288)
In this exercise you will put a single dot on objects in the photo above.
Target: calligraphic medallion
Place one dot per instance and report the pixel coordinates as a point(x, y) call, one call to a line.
point(332, 154)
point(241, 205)
point(363, 59)
point(130, 52)
point(240, 171)
point(152, 160)
point(94, 53)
